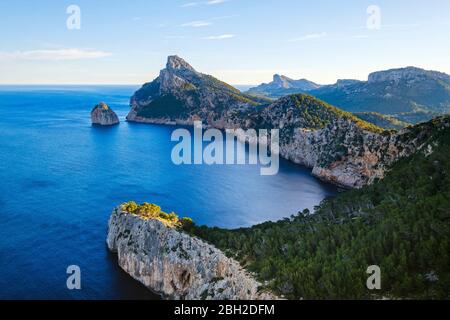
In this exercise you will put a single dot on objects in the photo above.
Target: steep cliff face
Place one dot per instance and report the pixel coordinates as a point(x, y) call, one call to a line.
point(339, 147)
point(176, 265)
point(103, 115)
point(348, 156)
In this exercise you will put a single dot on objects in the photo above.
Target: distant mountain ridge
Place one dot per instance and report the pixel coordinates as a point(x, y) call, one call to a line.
point(282, 85)
point(409, 94)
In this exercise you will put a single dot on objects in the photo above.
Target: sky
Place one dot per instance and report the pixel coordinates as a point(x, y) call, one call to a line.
point(242, 42)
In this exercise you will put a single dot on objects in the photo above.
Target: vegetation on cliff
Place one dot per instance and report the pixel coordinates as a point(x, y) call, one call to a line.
point(400, 223)
point(180, 92)
point(302, 111)
point(148, 211)
point(315, 114)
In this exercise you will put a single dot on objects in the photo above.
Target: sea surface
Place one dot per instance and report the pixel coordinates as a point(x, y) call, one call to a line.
point(60, 178)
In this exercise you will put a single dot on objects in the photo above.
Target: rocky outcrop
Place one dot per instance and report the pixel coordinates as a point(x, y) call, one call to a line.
point(176, 265)
point(345, 155)
point(103, 115)
point(182, 95)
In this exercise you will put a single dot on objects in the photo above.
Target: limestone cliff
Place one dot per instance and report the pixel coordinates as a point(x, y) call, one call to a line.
point(339, 147)
point(176, 265)
point(103, 115)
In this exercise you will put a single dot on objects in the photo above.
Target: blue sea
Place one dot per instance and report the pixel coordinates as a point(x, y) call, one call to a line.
point(60, 178)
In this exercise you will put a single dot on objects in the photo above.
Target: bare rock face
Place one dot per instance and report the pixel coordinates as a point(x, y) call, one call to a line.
point(176, 265)
point(103, 115)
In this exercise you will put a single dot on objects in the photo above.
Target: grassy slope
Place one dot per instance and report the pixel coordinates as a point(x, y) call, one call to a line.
point(401, 223)
point(315, 114)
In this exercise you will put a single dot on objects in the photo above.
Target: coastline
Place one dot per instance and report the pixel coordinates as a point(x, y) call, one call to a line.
point(177, 265)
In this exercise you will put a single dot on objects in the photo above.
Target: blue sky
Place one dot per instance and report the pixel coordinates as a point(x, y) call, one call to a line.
point(238, 41)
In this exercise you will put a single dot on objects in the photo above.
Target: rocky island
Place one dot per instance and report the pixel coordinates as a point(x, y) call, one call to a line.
point(155, 251)
point(103, 115)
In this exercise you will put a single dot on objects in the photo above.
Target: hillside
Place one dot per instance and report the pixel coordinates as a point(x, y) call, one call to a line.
point(307, 112)
point(400, 223)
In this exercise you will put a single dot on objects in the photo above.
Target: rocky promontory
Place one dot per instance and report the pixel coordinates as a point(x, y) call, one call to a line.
point(174, 264)
point(339, 147)
point(103, 115)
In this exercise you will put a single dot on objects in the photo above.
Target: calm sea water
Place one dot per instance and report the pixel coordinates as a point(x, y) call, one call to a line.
point(61, 177)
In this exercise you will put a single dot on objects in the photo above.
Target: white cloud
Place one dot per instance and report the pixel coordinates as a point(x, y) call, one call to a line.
point(54, 55)
point(213, 2)
point(189, 4)
point(197, 24)
point(209, 3)
point(221, 37)
point(309, 37)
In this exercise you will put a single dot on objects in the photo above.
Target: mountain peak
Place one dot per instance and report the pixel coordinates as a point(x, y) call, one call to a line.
point(282, 81)
point(176, 63)
point(407, 73)
point(280, 78)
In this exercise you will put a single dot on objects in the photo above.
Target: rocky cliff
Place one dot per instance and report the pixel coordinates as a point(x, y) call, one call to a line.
point(176, 265)
point(103, 115)
point(338, 146)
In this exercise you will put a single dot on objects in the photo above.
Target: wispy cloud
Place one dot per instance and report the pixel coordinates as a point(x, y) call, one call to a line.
point(54, 55)
point(213, 2)
point(197, 24)
point(209, 3)
point(309, 37)
point(189, 4)
point(220, 37)
point(136, 18)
